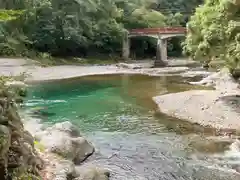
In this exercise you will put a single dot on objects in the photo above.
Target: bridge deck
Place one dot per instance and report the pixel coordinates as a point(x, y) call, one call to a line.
point(163, 30)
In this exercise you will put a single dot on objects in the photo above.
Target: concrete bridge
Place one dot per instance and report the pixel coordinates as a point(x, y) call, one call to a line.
point(161, 34)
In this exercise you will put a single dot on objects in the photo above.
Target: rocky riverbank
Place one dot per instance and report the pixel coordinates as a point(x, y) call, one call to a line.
point(28, 150)
point(18, 156)
point(62, 147)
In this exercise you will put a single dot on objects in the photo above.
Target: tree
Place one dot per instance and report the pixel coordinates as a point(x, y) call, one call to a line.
point(80, 27)
point(214, 31)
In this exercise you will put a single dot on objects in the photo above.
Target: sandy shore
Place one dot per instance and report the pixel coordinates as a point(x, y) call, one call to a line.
point(14, 67)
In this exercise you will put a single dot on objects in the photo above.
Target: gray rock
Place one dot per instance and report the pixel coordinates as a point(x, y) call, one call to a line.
point(65, 170)
point(67, 127)
point(83, 149)
point(61, 139)
point(92, 173)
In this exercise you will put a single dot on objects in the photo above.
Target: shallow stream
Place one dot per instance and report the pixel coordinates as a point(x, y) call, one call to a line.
point(134, 140)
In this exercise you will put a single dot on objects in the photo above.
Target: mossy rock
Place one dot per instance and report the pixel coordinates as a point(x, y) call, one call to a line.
point(235, 73)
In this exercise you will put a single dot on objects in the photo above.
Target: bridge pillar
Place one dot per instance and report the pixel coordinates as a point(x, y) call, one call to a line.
point(161, 55)
point(125, 46)
point(164, 49)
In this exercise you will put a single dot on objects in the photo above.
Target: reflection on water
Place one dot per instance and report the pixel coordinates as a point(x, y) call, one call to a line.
point(135, 141)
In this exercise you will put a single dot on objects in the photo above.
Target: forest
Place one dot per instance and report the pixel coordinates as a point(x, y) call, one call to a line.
point(83, 28)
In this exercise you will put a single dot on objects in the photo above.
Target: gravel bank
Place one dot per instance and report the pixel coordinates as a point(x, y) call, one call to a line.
point(218, 108)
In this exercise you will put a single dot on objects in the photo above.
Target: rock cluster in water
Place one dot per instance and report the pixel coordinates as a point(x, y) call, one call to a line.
point(50, 155)
point(63, 148)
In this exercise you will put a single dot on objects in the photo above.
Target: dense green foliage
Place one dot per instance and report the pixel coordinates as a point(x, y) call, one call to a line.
point(81, 27)
point(214, 32)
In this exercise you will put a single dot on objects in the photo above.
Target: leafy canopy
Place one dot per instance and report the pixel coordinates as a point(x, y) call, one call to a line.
point(214, 32)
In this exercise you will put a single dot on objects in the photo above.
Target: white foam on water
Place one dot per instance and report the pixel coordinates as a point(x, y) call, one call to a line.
point(58, 101)
point(227, 161)
point(29, 104)
point(235, 146)
point(234, 151)
point(230, 159)
point(41, 102)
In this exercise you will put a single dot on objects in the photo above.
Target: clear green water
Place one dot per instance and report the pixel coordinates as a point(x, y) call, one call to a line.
point(117, 114)
point(107, 103)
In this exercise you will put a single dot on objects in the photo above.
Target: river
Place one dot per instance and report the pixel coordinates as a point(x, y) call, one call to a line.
point(132, 139)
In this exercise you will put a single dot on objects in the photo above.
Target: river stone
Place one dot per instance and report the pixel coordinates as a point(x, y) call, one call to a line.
point(67, 127)
point(92, 173)
point(61, 139)
point(65, 170)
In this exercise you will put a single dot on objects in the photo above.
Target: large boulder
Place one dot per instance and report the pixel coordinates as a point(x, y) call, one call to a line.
point(65, 140)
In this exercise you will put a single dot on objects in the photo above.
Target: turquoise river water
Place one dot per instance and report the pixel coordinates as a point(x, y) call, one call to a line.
point(135, 141)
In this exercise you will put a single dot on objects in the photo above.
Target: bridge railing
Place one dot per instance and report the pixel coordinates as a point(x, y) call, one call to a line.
point(163, 30)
